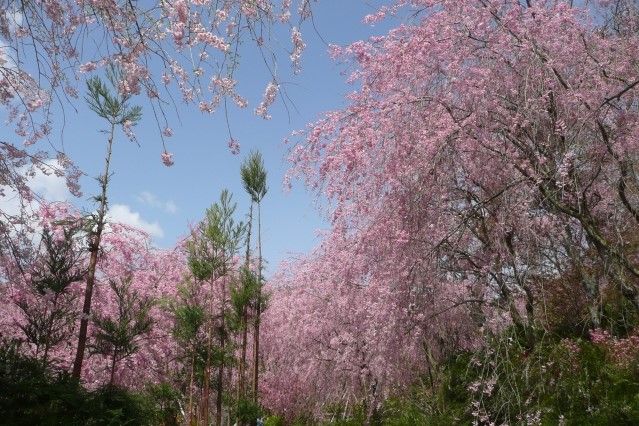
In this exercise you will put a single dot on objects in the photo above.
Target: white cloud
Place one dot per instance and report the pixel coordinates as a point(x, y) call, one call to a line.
point(170, 207)
point(50, 186)
point(15, 18)
point(121, 213)
point(5, 59)
point(7, 52)
point(152, 200)
point(9, 202)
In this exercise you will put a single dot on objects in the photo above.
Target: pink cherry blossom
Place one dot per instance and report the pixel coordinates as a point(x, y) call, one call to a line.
point(167, 158)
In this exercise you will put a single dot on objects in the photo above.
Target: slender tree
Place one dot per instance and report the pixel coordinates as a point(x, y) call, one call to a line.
point(242, 296)
point(115, 109)
point(189, 320)
point(214, 244)
point(246, 174)
point(254, 180)
point(48, 308)
point(117, 336)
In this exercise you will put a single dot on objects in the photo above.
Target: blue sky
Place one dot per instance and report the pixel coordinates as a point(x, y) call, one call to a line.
point(166, 200)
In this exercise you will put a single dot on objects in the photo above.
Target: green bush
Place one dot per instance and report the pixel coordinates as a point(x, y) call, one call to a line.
point(31, 394)
point(556, 381)
point(246, 411)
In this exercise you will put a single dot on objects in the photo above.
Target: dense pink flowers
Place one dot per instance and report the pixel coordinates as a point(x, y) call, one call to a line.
point(126, 253)
point(486, 150)
point(485, 159)
point(346, 327)
point(623, 351)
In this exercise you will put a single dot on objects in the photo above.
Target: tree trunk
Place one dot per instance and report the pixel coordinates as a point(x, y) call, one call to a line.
point(191, 391)
point(47, 345)
point(220, 371)
point(258, 309)
point(207, 369)
point(244, 319)
point(113, 367)
point(94, 247)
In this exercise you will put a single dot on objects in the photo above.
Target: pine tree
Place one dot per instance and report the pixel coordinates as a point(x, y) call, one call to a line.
point(254, 179)
point(115, 109)
point(213, 245)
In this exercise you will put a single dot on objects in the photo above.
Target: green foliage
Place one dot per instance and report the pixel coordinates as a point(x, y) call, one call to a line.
point(567, 381)
point(61, 263)
point(247, 411)
point(26, 392)
point(242, 296)
point(47, 326)
point(357, 417)
point(105, 104)
point(618, 315)
point(273, 421)
point(116, 406)
point(555, 381)
point(216, 240)
point(188, 321)
point(30, 394)
point(254, 176)
point(190, 318)
point(50, 315)
point(165, 403)
point(118, 336)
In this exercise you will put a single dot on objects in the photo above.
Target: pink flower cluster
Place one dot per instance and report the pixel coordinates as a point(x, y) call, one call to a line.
point(167, 158)
point(270, 93)
point(234, 146)
point(623, 351)
point(126, 252)
point(298, 48)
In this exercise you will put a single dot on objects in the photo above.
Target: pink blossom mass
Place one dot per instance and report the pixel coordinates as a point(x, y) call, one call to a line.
point(480, 259)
